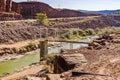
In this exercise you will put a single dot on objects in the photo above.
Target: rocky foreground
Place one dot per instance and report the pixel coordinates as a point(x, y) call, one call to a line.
point(99, 61)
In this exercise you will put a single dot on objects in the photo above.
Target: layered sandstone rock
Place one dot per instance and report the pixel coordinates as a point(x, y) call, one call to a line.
point(6, 12)
point(16, 7)
point(8, 5)
point(30, 9)
point(9, 16)
point(2, 5)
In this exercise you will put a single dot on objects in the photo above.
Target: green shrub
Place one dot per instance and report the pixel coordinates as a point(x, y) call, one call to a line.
point(42, 18)
point(9, 24)
point(82, 32)
point(67, 36)
point(90, 31)
point(50, 58)
point(74, 32)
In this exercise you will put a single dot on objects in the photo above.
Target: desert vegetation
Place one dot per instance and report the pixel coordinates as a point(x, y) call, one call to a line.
point(42, 18)
point(79, 33)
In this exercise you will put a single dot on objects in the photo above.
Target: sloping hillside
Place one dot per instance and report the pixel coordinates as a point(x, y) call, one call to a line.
point(25, 30)
point(29, 10)
point(92, 22)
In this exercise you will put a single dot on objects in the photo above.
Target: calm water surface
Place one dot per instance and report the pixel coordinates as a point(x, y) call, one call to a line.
point(12, 65)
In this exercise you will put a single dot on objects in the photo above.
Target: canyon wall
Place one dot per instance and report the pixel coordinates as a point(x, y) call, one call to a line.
point(6, 12)
point(2, 5)
point(8, 5)
point(30, 9)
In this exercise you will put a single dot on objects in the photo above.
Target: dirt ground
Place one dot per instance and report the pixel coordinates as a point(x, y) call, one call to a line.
point(103, 59)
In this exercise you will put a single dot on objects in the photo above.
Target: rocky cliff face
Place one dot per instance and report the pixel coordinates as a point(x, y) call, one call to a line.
point(2, 5)
point(6, 12)
point(8, 5)
point(30, 9)
point(16, 7)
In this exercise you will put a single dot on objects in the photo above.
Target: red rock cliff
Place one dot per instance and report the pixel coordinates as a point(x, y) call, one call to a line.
point(2, 5)
point(8, 5)
point(29, 10)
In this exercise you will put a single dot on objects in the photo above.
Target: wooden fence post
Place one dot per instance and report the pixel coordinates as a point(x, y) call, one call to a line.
point(43, 49)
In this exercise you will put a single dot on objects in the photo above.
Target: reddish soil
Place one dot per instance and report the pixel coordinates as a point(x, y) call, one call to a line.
point(103, 59)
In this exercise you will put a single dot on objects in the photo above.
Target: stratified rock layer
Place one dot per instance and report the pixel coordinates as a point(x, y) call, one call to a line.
point(30, 9)
point(2, 5)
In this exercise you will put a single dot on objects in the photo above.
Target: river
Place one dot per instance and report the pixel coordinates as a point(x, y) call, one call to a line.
point(12, 65)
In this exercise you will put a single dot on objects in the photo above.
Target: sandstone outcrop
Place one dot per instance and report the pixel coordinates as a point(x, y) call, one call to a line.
point(2, 5)
point(8, 5)
point(30, 9)
point(6, 12)
point(65, 62)
point(102, 64)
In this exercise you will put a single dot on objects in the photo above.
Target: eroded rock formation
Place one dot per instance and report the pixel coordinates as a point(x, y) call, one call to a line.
point(2, 5)
point(30, 9)
point(8, 5)
point(6, 12)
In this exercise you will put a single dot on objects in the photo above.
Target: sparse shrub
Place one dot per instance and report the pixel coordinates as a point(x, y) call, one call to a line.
point(87, 32)
point(31, 44)
point(74, 32)
point(9, 24)
point(82, 32)
point(10, 41)
point(90, 31)
point(50, 58)
point(67, 36)
point(42, 18)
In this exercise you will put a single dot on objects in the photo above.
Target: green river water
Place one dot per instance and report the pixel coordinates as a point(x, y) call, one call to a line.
point(12, 65)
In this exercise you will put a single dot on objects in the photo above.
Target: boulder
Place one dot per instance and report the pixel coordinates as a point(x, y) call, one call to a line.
point(53, 77)
point(33, 78)
point(65, 62)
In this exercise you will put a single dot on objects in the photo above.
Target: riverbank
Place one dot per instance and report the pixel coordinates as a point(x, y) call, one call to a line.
point(29, 70)
point(33, 56)
point(100, 61)
point(16, 50)
point(18, 37)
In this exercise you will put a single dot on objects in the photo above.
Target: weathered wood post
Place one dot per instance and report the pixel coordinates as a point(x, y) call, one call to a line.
point(43, 49)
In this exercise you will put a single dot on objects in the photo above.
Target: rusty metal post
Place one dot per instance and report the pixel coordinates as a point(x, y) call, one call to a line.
point(43, 49)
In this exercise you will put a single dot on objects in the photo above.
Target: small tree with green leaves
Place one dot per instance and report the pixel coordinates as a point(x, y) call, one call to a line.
point(42, 18)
